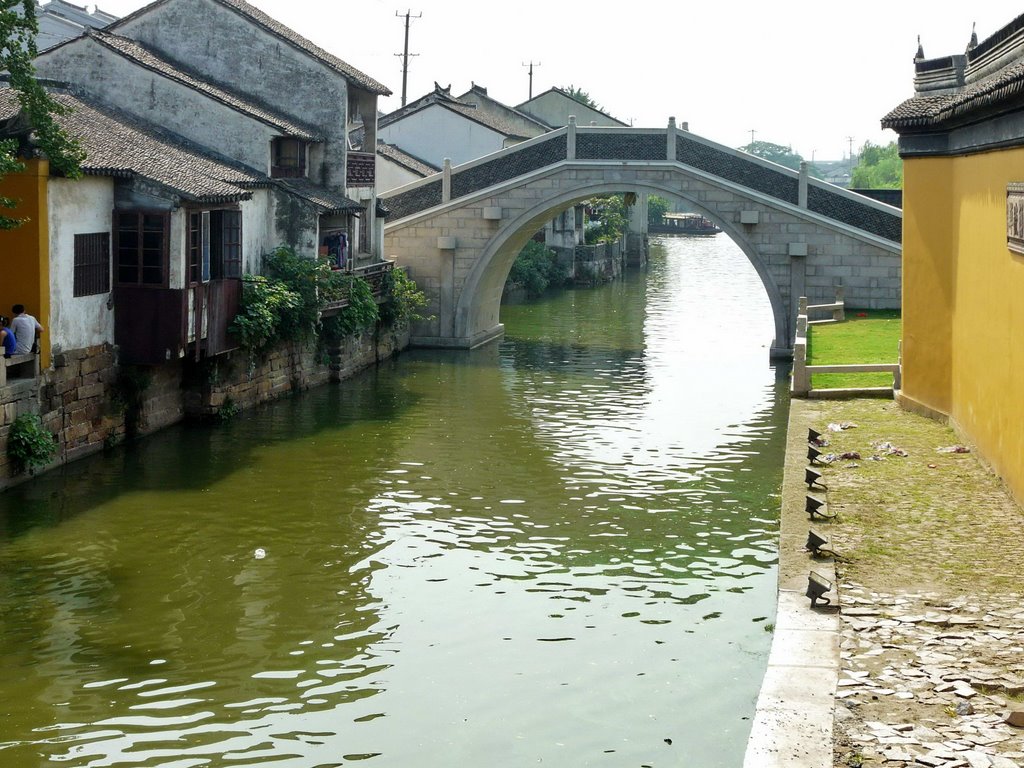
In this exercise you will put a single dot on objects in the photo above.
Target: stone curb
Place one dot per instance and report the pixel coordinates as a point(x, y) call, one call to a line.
point(793, 721)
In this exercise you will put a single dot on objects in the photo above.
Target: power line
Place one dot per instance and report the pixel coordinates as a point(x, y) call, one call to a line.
point(405, 52)
point(531, 65)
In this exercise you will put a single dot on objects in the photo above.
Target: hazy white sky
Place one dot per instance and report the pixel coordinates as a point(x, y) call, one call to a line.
point(806, 73)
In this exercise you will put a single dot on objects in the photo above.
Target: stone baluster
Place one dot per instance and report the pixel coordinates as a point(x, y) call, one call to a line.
point(570, 139)
point(802, 195)
point(670, 140)
point(801, 380)
point(446, 181)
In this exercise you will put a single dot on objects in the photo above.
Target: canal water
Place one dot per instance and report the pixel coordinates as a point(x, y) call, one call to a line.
point(558, 550)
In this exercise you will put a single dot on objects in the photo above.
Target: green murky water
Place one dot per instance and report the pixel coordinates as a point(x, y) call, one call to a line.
point(554, 551)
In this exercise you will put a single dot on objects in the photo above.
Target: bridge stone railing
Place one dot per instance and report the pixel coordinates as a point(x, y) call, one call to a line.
point(499, 170)
point(778, 182)
point(843, 206)
point(477, 175)
point(640, 147)
point(649, 145)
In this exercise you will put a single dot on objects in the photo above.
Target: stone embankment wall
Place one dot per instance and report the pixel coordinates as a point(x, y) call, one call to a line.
point(599, 263)
point(592, 264)
point(88, 401)
point(232, 380)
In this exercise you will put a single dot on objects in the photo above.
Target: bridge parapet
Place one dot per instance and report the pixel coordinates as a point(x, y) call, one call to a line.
point(651, 145)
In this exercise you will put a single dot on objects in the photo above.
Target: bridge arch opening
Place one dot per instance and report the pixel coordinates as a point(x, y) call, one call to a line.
point(480, 300)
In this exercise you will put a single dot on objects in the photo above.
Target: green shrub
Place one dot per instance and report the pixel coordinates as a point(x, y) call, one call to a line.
point(286, 304)
point(535, 268)
point(360, 313)
point(310, 280)
point(228, 409)
point(29, 445)
point(402, 300)
point(266, 304)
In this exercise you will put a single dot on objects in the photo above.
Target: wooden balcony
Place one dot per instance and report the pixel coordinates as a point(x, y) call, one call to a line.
point(374, 274)
point(154, 325)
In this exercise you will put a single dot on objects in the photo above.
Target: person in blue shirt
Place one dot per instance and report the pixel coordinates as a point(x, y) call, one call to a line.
point(7, 337)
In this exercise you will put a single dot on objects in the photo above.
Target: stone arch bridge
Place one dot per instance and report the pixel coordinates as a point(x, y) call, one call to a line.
point(459, 231)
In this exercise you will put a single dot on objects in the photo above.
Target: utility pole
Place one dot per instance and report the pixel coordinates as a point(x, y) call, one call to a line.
point(849, 139)
point(531, 65)
point(752, 132)
point(405, 53)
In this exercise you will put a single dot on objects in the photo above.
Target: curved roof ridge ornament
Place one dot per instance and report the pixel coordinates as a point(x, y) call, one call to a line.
point(920, 50)
point(974, 37)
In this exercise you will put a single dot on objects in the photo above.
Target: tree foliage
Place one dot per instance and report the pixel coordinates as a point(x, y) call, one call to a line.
point(582, 97)
point(657, 207)
point(777, 153)
point(608, 219)
point(534, 270)
point(878, 167)
point(18, 29)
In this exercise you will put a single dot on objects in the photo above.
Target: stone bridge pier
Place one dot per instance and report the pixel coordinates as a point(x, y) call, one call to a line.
point(460, 248)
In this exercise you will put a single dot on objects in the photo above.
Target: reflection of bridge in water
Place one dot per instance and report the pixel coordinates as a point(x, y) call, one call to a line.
point(459, 231)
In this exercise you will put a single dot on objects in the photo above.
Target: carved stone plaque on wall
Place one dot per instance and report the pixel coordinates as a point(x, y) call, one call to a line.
point(1015, 217)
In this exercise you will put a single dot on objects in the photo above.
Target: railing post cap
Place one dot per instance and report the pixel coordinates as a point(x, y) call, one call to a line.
point(572, 119)
point(671, 122)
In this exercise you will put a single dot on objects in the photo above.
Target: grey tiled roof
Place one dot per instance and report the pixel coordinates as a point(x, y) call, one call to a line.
point(1003, 87)
point(327, 200)
point(142, 56)
point(999, 90)
point(445, 101)
point(488, 119)
point(117, 145)
point(477, 95)
point(287, 34)
point(414, 164)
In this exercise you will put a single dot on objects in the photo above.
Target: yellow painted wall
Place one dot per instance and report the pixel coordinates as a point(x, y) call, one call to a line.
point(963, 300)
point(928, 281)
point(24, 251)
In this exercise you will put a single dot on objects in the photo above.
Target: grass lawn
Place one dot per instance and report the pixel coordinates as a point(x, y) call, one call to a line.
point(873, 338)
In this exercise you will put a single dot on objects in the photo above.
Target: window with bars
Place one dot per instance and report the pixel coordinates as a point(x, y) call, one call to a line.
point(92, 264)
point(214, 245)
point(141, 247)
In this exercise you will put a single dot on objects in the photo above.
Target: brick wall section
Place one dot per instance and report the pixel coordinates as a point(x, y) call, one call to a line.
point(18, 398)
point(76, 400)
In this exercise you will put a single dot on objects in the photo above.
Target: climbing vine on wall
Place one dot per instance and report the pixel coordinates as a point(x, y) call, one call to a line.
point(287, 303)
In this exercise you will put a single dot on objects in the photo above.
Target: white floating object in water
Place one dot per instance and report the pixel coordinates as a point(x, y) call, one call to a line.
point(260, 553)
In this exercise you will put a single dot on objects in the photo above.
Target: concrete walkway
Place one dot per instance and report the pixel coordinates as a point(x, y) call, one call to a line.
point(793, 722)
